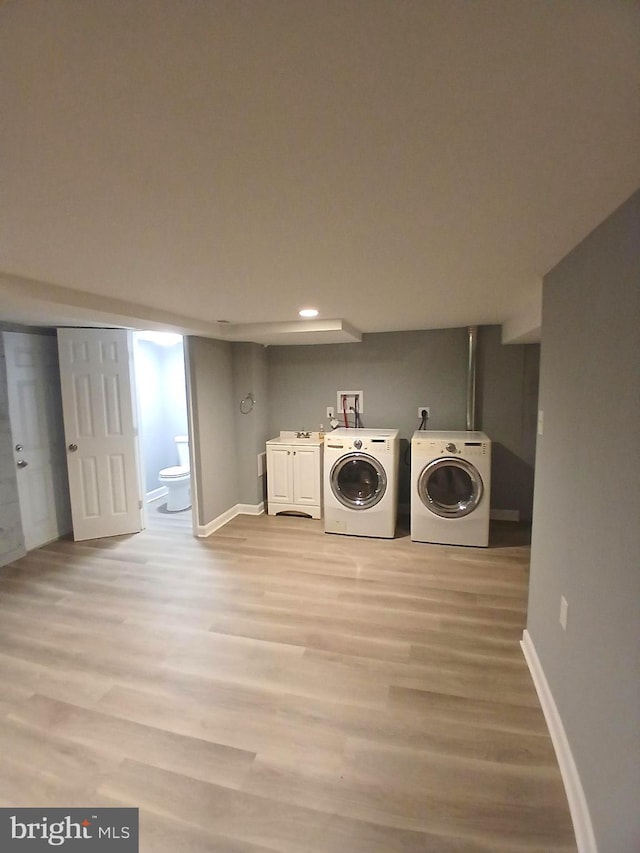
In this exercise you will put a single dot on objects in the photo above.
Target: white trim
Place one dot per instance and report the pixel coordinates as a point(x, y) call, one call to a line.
point(262, 463)
point(137, 416)
point(582, 826)
point(306, 510)
point(204, 530)
point(250, 509)
point(194, 446)
point(504, 514)
point(155, 494)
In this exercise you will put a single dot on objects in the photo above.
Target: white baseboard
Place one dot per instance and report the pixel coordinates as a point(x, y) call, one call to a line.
point(205, 530)
point(250, 509)
point(154, 494)
point(582, 826)
point(505, 514)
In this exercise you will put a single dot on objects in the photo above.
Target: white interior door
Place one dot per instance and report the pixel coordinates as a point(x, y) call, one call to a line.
point(35, 413)
point(100, 435)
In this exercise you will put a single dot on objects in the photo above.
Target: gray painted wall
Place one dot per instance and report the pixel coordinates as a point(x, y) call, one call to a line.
point(507, 407)
point(210, 370)
point(250, 376)
point(399, 371)
point(11, 538)
point(586, 539)
point(396, 371)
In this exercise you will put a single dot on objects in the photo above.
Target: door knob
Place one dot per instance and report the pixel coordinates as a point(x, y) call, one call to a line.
point(73, 447)
point(21, 463)
point(19, 448)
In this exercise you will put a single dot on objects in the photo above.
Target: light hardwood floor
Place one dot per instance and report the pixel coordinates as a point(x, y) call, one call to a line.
point(275, 688)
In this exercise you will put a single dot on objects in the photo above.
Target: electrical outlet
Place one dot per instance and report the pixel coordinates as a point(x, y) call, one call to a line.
point(564, 612)
point(331, 412)
point(421, 410)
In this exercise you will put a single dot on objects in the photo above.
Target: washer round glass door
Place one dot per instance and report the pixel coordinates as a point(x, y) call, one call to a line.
point(450, 488)
point(358, 481)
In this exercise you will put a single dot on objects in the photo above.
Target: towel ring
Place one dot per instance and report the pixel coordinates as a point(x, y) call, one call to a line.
point(247, 403)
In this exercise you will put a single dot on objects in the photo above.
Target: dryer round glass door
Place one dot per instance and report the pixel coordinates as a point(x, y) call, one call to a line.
point(358, 481)
point(450, 488)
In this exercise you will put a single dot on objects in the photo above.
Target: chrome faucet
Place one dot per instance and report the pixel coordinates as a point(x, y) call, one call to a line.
point(303, 435)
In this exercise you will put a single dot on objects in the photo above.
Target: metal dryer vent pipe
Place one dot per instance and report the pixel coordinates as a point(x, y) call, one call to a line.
point(471, 378)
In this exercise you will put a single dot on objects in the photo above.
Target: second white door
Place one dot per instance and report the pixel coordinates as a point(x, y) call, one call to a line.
point(35, 413)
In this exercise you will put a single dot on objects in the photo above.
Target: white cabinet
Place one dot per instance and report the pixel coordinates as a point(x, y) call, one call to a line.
point(294, 474)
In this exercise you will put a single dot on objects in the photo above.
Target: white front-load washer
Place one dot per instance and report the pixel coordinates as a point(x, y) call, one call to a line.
point(450, 487)
point(361, 482)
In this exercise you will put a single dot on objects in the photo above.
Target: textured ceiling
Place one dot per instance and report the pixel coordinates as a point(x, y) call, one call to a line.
point(398, 165)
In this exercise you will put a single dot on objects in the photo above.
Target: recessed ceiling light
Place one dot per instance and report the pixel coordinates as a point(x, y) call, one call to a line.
point(308, 312)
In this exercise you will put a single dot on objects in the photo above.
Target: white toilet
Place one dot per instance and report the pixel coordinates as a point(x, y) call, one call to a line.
point(177, 478)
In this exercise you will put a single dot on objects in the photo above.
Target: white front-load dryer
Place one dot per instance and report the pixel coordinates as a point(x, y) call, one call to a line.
point(361, 482)
point(450, 487)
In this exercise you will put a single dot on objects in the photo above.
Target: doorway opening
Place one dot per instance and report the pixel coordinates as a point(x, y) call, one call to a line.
point(159, 369)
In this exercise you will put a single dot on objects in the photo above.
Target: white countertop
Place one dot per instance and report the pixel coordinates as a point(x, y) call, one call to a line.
point(300, 437)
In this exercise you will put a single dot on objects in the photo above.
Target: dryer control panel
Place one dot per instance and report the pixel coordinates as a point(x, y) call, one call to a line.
point(464, 444)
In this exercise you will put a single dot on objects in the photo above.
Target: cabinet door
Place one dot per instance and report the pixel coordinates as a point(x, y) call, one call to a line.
point(279, 487)
point(306, 476)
